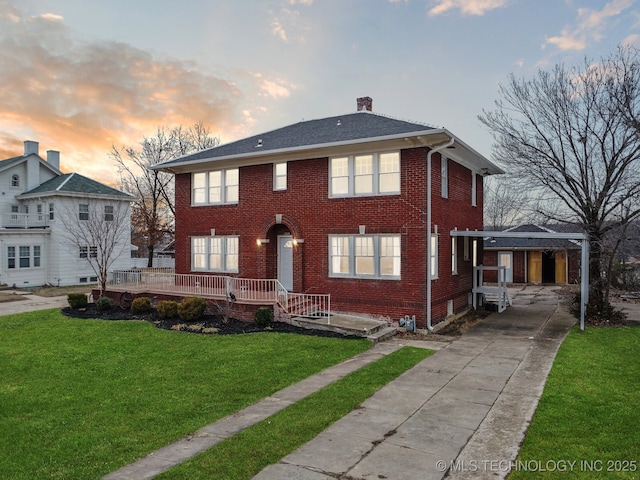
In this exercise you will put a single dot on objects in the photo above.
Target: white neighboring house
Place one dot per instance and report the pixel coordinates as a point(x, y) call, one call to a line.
point(35, 248)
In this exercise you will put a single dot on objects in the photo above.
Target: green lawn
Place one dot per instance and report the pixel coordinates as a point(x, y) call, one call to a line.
point(81, 398)
point(589, 413)
point(270, 440)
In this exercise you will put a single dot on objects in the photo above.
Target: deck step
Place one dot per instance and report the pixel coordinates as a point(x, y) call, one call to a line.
point(345, 324)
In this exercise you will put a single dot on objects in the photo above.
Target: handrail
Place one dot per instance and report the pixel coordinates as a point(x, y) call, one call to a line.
point(243, 290)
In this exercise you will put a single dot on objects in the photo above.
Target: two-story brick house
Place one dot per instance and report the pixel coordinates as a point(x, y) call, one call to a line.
point(339, 206)
point(35, 200)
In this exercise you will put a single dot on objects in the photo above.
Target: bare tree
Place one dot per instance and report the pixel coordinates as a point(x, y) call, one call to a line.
point(100, 235)
point(504, 203)
point(153, 210)
point(563, 134)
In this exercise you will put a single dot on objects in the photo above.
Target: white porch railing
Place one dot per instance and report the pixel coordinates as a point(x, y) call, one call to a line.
point(488, 290)
point(242, 290)
point(23, 220)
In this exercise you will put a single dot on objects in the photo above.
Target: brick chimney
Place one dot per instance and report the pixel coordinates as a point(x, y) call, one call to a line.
point(365, 103)
point(30, 147)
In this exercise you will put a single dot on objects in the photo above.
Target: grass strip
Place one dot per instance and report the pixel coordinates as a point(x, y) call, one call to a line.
point(247, 453)
point(82, 398)
point(586, 424)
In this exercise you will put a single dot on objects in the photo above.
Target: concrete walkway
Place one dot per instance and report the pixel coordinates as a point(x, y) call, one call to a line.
point(30, 303)
point(462, 412)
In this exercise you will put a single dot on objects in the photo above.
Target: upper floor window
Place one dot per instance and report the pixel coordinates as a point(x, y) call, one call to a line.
point(474, 190)
point(51, 212)
point(108, 213)
point(216, 254)
point(374, 256)
point(83, 211)
point(444, 177)
point(361, 175)
point(15, 180)
point(216, 187)
point(280, 176)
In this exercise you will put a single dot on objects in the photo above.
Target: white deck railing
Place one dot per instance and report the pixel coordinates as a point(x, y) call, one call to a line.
point(500, 290)
point(23, 220)
point(242, 290)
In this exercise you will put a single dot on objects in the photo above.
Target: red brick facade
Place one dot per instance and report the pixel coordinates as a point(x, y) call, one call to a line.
point(309, 214)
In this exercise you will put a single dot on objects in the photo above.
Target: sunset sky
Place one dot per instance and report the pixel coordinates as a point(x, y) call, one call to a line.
point(79, 76)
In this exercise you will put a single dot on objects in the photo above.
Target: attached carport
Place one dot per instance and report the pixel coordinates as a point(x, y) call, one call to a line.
point(581, 237)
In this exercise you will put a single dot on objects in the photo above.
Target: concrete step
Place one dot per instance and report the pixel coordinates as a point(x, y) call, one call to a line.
point(345, 324)
point(383, 334)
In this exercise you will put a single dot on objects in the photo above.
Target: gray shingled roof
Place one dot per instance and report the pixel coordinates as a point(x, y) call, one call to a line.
point(535, 243)
point(76, 183)
point(10, 161)
point(341, 128)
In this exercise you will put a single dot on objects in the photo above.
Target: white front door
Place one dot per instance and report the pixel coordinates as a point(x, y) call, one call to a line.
point(285, 261)
point(505, 259)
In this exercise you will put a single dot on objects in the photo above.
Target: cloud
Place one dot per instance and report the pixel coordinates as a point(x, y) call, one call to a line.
point(590, 25)
point(466, 7)
point(81, 98)
point(285, 23)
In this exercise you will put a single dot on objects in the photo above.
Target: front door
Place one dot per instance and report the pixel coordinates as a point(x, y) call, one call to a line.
point(505, 259)
point(285, 261)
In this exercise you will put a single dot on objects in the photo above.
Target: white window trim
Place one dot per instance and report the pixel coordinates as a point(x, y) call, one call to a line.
point(444, 176)
point(223, 188)
point(454, 255)
point(17, 257)
point(375, 172)
point(207, 253)
point(433, 261)
point(277, 176)
point(474, 189)
point(376, 258)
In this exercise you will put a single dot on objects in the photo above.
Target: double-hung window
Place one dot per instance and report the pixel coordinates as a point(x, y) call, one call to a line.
point(23, 256)
point(444, 177)
point(108, 213)
point(214, 254)
point(216, 187)
point(364, 175)
point(83, 211)
point(280, 176)
point(368, 256)
point(433, 260)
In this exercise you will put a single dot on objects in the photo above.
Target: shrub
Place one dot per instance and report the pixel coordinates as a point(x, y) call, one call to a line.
point(77, 300)
point(263, 317)
point(192, 308)
point(103, 303)
point(167, 309)
point(141, 305)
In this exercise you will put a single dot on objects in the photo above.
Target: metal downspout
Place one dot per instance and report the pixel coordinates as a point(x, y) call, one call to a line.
point(429, 153)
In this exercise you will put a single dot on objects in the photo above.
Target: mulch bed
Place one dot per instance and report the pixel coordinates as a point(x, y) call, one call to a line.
point(208, 324)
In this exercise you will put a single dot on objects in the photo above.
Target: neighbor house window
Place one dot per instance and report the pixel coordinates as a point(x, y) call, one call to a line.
point(108, 213)
point(36, 255)
point(83, 211)
point(444, 177)
point(23, 256)
point(51, 214)
point(15, 180)
point(215, 188)
point(88, 252)
point(280, 176)
point(215, 254)
point(365, 175)
point(372, 256)
point(11, 257)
